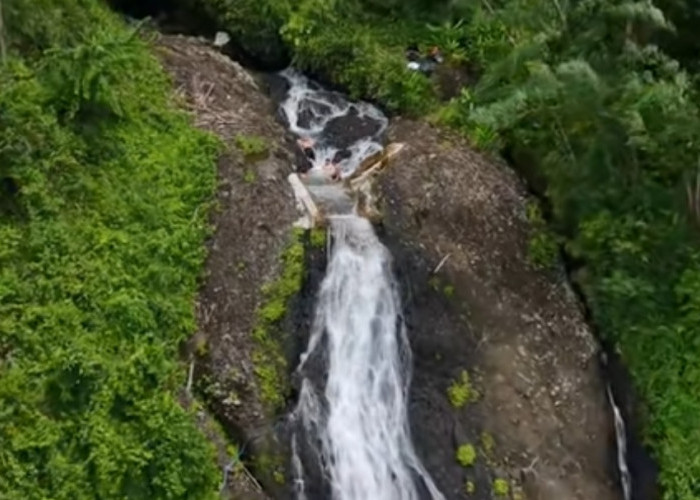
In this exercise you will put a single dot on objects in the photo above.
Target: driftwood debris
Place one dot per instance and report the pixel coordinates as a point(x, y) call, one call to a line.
point(358, 186)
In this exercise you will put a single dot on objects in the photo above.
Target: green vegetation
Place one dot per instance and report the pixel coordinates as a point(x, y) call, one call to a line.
point(470, 487)
point(543, 248)
point(613, 124)
point(348, 42)
point(104, 193)
point(251, 145)
point(249, 177)
point(318, 238)
point(271, 467)
point(461, 391)
point(201, 347)
point(466, 455)
point(487, 443)
point(500, 487)
point(270, 364)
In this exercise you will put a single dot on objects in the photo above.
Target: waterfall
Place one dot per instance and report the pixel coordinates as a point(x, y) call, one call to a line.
point(360, 416)
point(352, 411)
point(621, 438)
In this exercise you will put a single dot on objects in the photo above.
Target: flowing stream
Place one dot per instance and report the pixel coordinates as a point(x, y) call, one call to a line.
point(621, 439)
point(353, 419)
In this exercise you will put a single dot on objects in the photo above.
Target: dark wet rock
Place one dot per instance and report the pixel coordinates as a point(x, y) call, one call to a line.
point(311, 110)
point(345, 130)
point(642, 468)
point(276, 86)
point(332, 97)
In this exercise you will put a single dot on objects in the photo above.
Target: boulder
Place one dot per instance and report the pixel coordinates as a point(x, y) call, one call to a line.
point(537, 412)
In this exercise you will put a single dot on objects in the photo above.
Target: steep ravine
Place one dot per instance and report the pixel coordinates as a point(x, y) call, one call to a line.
point(540, 420)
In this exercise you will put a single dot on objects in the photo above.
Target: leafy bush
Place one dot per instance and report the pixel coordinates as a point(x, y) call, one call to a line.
point(100, 250)
point(543, 246)
point(466, 455)
point(254, 25)
point(614, 125)
point(251, 145)
point(461, 391)
point(328, 39)
point(500, 487)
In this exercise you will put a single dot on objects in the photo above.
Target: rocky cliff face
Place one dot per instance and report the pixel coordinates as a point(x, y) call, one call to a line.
point(541, 419)
point(504, 362)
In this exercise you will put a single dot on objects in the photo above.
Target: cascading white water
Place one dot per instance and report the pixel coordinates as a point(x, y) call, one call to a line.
point(355, 418)
point(621, 438)
point(360, 416)
point(319, 107)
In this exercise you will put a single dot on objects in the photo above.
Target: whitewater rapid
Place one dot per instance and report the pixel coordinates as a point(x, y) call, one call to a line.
point(360, 415)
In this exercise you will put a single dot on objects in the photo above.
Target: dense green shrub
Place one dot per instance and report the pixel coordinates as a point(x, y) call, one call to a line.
point(616, 130)
point(105, 190)
point(254, 25)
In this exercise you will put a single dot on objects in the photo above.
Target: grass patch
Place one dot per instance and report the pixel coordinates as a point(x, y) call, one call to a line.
point(543, 245)
point(318, 238)
point(461, 391)
point(500, 487)
point(466, 455)
point(470, 487)
point(270, 364)
point(487, 443)
point(252, 146)
point(249, 177)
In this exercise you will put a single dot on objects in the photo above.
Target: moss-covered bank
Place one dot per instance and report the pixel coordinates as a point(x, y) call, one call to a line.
point(105, 191)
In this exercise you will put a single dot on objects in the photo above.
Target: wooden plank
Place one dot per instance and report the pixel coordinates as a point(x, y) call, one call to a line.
point(379, 161)
point(302, 195)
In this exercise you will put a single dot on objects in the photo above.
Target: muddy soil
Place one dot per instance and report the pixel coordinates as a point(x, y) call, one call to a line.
point(518, 331)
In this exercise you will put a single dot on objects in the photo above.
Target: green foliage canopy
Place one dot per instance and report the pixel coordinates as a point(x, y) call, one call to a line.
point(102, 220)
point(615, 126)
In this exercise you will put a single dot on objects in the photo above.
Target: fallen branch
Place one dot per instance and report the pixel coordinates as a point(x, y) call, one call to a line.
point(442, 263)
point(190, 377)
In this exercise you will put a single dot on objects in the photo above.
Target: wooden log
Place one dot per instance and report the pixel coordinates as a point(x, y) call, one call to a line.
point(304, 197)
point(366, 170)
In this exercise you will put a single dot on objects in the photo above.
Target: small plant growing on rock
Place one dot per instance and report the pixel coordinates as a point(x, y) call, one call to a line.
point(487, 442)
point(500, 487)
point(466, 455)
point(249, 177)
point(470, 487)
point(543, 247)
point(318, 238)
point(250, 145)
point(461, 392)
point(202, 348)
